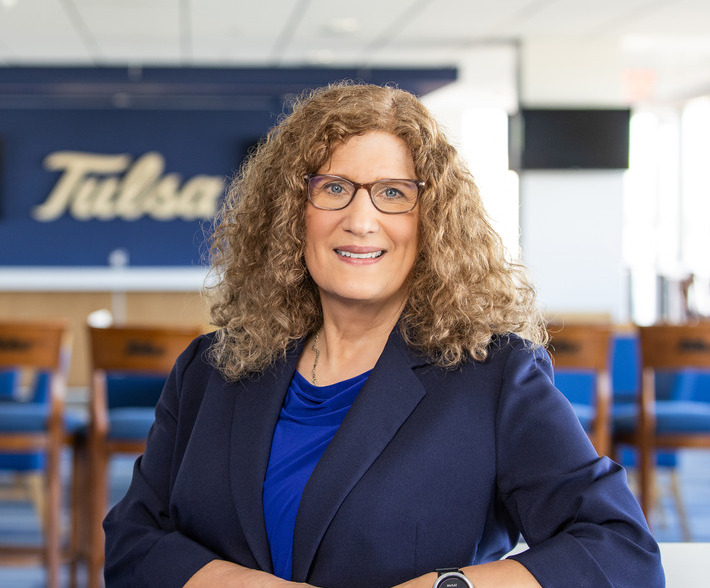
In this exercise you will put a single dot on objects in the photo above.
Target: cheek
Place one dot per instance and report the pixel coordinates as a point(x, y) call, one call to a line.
point(317, 229)
point(407, 234)
point(312, 230)
point(308, 243)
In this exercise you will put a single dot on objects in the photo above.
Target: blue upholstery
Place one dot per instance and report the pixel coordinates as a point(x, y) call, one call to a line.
point(672, 416)
point(682, 404)
point(8, 384)
point(131, 401)
point(27, 416)
point(682, 398)
point(23, 417)
point(677, 406)
point(585, 413)
point(625, 362)
point(133, 390)
point(694, 386)
point(578, 388)
point(130, 422)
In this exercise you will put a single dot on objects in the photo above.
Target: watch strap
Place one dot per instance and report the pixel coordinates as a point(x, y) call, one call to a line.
point(452, 578)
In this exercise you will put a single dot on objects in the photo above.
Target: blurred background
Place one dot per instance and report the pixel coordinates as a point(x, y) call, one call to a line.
point(586, 125)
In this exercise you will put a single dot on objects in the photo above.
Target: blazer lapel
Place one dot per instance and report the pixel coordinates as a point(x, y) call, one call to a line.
point(389, 395)
point(256, 411)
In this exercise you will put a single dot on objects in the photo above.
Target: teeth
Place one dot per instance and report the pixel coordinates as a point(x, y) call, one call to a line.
point(371, 255)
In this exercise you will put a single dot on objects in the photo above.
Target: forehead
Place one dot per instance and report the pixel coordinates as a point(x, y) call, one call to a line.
point(373, 155)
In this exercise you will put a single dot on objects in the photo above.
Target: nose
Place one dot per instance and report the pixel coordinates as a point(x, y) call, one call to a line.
point(361, 216)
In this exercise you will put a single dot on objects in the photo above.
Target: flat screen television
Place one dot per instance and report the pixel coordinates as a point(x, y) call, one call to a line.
point(556, 139)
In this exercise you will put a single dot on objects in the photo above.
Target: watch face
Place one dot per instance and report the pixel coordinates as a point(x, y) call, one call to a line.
point(452, 581)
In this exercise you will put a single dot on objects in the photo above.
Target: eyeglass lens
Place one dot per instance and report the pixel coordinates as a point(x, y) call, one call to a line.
point(334, 193)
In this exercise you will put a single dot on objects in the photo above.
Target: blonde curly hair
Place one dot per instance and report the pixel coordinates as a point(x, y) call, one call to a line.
point(463, 291)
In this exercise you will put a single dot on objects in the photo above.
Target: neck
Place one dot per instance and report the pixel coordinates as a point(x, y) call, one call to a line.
point(349, 343)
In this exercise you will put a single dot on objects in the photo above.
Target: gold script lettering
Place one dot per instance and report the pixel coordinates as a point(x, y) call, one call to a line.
point(108, 187)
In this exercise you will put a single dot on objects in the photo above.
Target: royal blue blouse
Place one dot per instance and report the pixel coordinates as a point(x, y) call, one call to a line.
point(308, 421)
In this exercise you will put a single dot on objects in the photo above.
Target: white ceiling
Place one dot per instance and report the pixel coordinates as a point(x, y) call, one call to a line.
point(670, 38)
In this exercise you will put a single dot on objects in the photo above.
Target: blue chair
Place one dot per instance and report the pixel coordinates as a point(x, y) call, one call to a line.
point(129, 367)
point(32, 433)
point(673, 410)
point(580, 357)
point(626, 384)
point(29, 466)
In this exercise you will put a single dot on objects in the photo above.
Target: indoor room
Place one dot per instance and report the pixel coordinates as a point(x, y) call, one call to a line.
point(131, 134)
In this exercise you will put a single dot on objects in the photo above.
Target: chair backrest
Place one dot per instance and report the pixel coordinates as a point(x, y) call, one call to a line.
point(8, 383)
point(677, 356)
point(133, 349)
point(146, 353)
point(584, 351)
point(583, 347)
point(40, 348)
point(132, 362)
point(32, 345)
point(625, 366)
point(675, 347)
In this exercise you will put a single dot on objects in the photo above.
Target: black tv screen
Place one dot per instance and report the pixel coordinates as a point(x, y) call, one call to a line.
point(569, 139)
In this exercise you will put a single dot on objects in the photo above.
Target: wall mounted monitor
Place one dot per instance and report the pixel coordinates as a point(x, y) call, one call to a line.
point(557, 139)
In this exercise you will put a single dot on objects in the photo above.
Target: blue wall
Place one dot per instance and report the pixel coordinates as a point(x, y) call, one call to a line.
point(196, 123)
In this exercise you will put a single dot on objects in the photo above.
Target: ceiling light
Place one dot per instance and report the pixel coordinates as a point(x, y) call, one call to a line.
point(343, 25)
point(322, 57)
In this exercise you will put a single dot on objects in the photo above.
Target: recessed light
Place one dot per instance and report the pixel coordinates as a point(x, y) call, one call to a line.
point(322, 57)
point(343, 25)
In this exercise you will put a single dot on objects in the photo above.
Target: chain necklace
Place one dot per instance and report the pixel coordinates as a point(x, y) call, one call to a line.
point(315, 349)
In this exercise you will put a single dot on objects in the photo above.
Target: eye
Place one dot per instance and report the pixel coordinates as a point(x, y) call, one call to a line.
point(391, 191)
point(333, 187)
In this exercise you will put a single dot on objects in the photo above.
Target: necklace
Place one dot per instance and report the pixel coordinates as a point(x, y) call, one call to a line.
point(315, 349)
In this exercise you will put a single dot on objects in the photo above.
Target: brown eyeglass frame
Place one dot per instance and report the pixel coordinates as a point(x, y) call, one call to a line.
point(368, 186)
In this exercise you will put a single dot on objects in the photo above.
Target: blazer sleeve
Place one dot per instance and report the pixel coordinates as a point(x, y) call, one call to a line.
point(143, 548)
point(574, 509)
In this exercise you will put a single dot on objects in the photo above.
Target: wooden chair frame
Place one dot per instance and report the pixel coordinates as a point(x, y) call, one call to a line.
point(665, 347)
point(40, 346)
point(587, 347)
point(125, 350)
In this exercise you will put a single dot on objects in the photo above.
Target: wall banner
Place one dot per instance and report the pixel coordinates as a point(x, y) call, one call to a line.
point(78, 185)
point(129, 164)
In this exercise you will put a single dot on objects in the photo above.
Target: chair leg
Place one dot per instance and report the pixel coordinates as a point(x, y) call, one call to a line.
point(79, 490)
point(658, 509)
point(98, 471)
point(53, 516)
point(36, 483)
point(680, 507)
point(646, 475)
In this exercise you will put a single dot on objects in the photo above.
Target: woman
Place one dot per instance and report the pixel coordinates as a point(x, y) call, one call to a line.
point(377, 403)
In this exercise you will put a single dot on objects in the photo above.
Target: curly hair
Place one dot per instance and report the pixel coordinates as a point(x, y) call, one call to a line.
point(463, 291)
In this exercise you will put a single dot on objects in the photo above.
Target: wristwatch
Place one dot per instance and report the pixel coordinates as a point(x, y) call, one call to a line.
point(452, 578)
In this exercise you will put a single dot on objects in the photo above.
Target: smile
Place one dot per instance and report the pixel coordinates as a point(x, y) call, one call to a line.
point(371, 255)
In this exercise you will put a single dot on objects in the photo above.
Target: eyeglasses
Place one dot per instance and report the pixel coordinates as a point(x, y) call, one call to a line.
point(388, 196)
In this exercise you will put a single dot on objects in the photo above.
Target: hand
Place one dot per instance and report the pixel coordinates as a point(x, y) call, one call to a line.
point(230, 575)
point(425, 581)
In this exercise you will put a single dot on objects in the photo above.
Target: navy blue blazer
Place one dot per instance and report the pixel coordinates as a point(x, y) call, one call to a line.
point(431, 468)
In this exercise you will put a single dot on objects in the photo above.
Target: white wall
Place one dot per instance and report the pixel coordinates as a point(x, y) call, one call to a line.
point(570, 221)
point(571, 240)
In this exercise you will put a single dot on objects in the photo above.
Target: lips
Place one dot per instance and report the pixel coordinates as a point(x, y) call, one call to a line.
point(360, 255)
